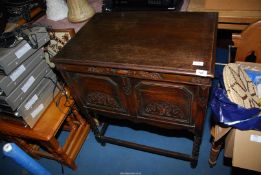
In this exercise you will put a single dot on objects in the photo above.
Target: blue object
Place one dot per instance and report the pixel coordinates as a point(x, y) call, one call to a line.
point(254, 75)
point(231, 114)
point(221, 59)
point(13, 151)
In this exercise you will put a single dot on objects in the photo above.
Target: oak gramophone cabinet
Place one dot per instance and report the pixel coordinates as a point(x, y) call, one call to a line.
point(152, 68)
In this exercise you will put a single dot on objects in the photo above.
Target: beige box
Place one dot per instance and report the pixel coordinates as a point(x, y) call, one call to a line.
point(244, 147)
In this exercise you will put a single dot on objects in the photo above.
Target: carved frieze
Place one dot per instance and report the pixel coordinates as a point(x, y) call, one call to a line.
point(102, 99)
point(102, 70)
point(147, 75)
point(165, 110)
point(126, 86)
point(131, 73)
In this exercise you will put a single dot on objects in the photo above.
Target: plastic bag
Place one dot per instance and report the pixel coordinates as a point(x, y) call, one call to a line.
point(233, 115)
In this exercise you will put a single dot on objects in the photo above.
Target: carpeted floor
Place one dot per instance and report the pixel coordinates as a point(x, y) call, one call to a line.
point(95, 159)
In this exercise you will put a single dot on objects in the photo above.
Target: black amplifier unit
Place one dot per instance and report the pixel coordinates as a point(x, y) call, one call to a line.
point(138, 5)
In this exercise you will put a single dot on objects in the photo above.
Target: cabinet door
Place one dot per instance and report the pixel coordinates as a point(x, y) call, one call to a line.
point(165, 102)
point(99, 93)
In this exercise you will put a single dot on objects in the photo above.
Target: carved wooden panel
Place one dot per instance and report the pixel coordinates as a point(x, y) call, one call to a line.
point(164, 101)
point(102, 100)
point(164, 109)
point(100, 92)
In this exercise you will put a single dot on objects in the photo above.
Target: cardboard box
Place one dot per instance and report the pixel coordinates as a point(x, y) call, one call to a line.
point(244, 147)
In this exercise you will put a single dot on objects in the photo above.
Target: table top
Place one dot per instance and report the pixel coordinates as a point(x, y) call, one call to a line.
point(153, 41)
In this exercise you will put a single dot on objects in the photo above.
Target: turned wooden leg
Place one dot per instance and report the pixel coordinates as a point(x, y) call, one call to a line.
point(215, 149)
point(102, 132)
point(53, 147)
point(57, 151)
point(27, 147)
point(78, 116)
point(93, 124)
point(195, 151)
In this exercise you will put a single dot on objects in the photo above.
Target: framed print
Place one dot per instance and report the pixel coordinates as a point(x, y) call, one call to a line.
point(58, 39)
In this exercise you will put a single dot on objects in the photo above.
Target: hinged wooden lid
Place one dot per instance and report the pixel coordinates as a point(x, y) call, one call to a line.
point(170, 42)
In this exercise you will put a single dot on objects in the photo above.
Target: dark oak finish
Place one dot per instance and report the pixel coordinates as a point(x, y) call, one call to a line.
point(137, 66)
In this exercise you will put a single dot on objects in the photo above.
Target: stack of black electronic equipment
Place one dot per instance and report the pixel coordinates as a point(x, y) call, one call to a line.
point(27, 84)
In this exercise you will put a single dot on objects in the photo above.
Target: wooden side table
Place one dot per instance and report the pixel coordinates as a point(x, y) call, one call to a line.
point(63, 116)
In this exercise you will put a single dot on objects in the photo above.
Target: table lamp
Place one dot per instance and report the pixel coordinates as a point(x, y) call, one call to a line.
point(79, 10)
